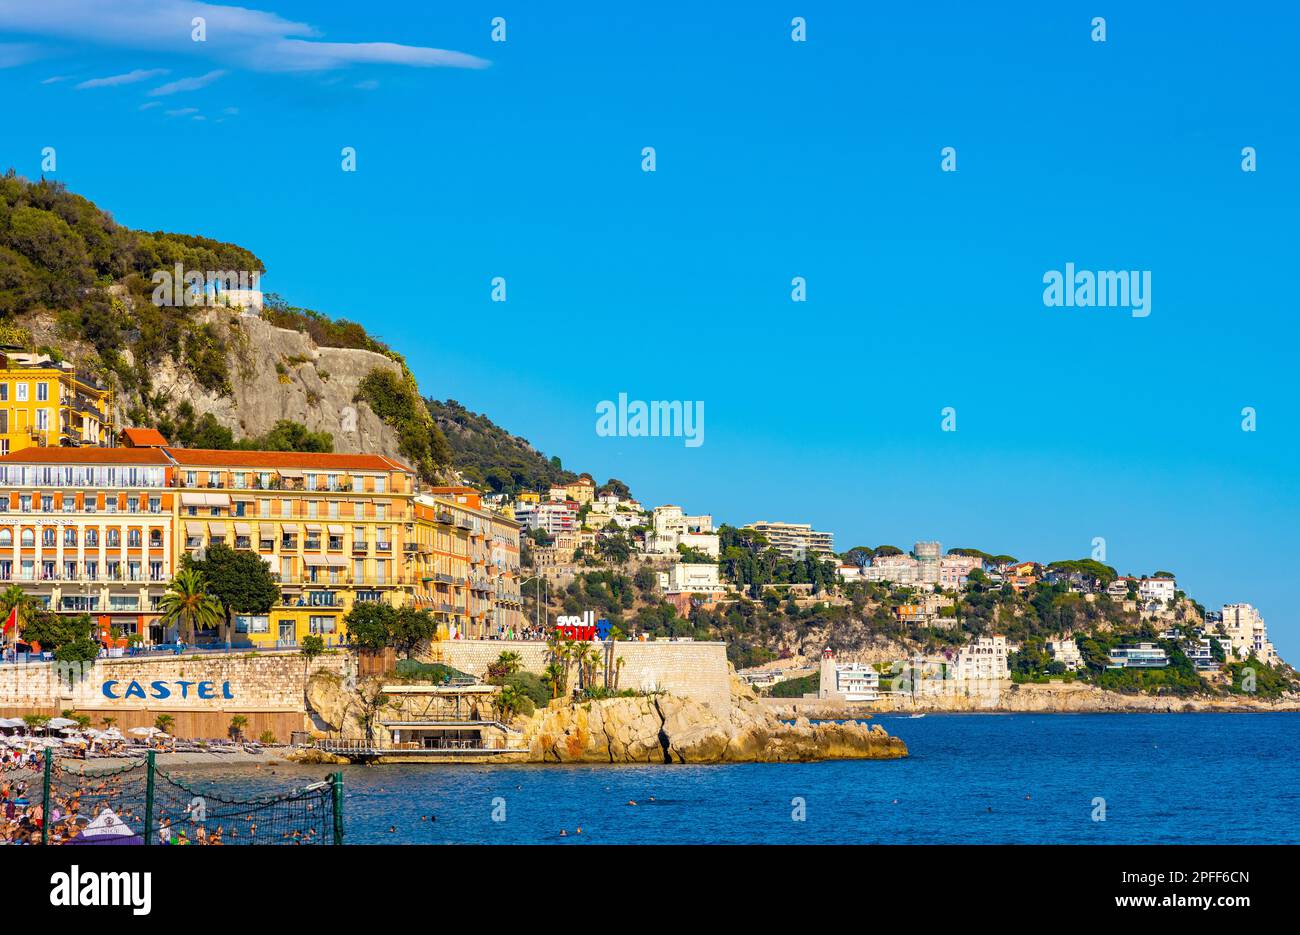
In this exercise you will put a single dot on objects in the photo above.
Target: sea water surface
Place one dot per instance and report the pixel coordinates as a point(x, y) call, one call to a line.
point(1011, 778)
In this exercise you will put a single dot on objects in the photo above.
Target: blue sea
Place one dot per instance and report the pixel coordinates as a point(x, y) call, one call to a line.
point(970, 779)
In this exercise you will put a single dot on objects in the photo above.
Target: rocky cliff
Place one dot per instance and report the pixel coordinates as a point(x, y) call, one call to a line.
point(667, 729)
point(636, 729)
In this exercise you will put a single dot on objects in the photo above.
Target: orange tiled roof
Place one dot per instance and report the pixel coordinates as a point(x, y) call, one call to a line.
point(211, 457)
point(38, 455)
point(144, 438)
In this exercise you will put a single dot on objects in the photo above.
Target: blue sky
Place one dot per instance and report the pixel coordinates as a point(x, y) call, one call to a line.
point(775, 159)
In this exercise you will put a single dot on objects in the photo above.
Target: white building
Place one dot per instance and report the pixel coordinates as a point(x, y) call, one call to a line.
point(796, 540)
point(1066, 651)
point(551, 517)
point(955, 569)
point(849, 681)
point(671, 528)
point(687, 578)
point(1157, 589)
point(983, 659)
point(1246, 632)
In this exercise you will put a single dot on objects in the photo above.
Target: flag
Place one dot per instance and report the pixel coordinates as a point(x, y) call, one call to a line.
point(11, 623)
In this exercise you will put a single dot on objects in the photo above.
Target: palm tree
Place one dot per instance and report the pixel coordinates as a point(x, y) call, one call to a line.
point(509, 661)
point(164, 723)
point(553, 675)
point(14, 596)
point(618, 670)
point(507, 702)
point(590, 662)
point(188, 604)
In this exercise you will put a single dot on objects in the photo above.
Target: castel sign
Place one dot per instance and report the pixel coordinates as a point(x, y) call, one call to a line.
point(161, 689)
point(585, 628)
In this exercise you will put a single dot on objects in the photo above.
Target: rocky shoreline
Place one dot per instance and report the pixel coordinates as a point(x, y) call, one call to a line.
point(1052, 698)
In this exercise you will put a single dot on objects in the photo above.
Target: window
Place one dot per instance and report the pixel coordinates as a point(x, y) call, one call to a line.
point(42, 392)
point(21, 392)
point(321, 624)
point(252, 623)
point(4, 392)
point(6, 538)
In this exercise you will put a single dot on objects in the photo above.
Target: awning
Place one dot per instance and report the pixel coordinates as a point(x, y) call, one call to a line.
point(243, 529)
point(289, 529)
point(290, 472)
point(193, 528)
point(337, 561)
point(193, 499)
point(241, 498)
point(336, 530)
point(218, 499)
point(316, 560)
point(313, 527)
point(217, 529)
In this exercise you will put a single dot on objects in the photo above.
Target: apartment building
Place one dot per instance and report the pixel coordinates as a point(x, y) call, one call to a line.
point(466, 564)
point(1244, 627)
point(1157, 589)
point(582, 491)
point(48, 403)
point(983, 659)
point(89, 530)
point(101, 531)
point(795, 540)
point(332, 528)
point(671, 529)
point(553, 517)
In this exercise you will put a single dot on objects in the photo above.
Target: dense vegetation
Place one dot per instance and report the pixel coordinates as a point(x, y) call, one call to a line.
point(396, 401)
point(491, 457)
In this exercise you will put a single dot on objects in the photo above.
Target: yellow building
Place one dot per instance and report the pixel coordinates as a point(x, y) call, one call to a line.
point(102, 531)
point(334, 529)
point(47, 403)
point(467, 564)
point(89, 530)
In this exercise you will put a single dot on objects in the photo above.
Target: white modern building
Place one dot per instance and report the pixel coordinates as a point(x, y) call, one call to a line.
point(983, 659)
point(1157, 589)
point(688, 578)
point(796, 540)
point(848, 681)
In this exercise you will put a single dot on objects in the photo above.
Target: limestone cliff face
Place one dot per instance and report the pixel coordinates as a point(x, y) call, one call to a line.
point(278, 374)
point(275, 373)
point(668, 729)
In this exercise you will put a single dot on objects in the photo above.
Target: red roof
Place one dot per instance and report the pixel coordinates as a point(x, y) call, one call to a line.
point(211, 457)
point(144, 438)
point(37, 455)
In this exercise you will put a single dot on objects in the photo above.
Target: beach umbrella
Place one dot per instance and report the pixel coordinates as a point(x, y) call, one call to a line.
point(58, 723)
point(12, 722)
point(144, 731)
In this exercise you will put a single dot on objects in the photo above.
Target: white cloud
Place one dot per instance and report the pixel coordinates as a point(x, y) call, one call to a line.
point(236, 36)
point(370, 84)
point(151, 104)
point(187, 84)
point(131, 77)
point(182, 112)
point(55, 79)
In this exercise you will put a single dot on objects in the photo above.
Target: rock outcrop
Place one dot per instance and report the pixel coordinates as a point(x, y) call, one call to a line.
point(669, 729)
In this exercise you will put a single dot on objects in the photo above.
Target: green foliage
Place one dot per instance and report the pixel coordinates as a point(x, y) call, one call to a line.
point(427, 671)
point(322, 329)
point(288, 435)
point(370, 624)
point(313, 644)
point(797, 688)
point(1269, 681)
point(239, 579)
point(69, 636)
point(493, 458)
point(396, 401)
